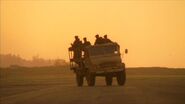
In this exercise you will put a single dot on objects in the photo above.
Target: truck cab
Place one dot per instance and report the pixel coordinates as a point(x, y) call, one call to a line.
point(101, 60)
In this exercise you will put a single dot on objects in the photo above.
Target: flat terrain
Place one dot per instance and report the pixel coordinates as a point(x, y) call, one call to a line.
point(57, 86)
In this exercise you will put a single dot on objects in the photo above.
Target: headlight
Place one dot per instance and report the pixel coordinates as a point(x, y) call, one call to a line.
point(115, 52)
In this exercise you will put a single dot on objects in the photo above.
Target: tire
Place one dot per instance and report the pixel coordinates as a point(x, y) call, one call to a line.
point(121, 78)
point(108, 80)
point(90, 79)
point(79, 80)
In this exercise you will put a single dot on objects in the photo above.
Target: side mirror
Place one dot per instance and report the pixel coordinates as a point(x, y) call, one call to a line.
point(126, 51)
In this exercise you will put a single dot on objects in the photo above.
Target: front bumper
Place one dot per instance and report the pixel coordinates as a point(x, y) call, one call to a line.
point(106, 71)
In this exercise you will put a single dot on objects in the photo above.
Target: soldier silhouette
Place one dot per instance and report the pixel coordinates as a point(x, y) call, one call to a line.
point(106, 40)
point(99, 40)
point(77, 49)
point(85, 44)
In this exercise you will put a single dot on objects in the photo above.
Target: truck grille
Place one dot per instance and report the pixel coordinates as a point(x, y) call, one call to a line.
point(109, 64)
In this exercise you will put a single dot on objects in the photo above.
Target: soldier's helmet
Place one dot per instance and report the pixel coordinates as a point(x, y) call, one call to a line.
point(105, 36)
point(97, 36)
point(84, 38)
point(76, 37)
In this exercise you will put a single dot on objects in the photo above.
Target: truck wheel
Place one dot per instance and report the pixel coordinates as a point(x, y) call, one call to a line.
point(108, 80)
point(79, 80)
point(90, 79)
point(121, 78)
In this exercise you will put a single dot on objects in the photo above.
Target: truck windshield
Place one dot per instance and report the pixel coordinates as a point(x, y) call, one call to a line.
point(102, 50)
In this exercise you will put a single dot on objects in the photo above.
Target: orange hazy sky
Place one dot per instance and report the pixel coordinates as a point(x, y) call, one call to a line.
point(152, 30)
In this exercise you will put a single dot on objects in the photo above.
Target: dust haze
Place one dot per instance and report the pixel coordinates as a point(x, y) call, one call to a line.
point(152, 30)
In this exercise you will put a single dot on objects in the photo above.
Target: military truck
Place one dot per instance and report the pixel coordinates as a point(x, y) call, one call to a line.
point(99, 60)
